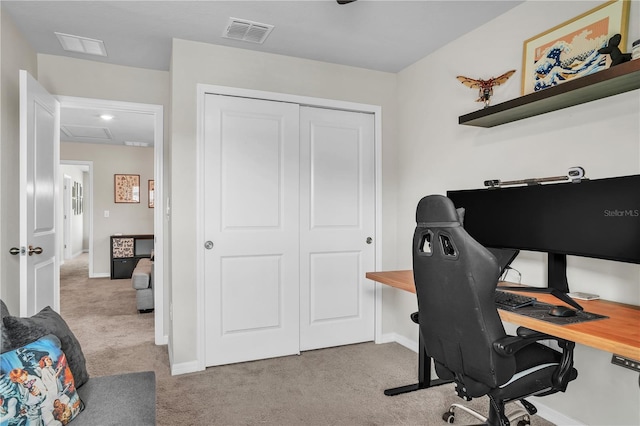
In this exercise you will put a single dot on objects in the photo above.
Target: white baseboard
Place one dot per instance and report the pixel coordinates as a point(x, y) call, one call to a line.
point(100, 275)
point(401, 340)
point(554, 416)
point(545, 412)
point(183, 367)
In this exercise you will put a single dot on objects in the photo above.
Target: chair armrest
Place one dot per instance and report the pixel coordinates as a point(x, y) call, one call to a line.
point(565, 373)
point(509, 345)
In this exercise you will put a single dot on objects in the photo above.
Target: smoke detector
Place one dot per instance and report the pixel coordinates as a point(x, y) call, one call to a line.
point(244, 30)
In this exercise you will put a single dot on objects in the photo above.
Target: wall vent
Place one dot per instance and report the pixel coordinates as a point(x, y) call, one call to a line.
point(250, 31)
point(136, 143)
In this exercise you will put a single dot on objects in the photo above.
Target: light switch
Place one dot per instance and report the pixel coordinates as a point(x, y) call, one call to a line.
point(106, 213)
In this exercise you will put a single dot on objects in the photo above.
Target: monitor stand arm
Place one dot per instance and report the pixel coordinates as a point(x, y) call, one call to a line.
point(566, 298)
point(557, 281)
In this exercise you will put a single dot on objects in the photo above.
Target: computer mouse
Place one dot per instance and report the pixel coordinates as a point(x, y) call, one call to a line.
point(561, 311)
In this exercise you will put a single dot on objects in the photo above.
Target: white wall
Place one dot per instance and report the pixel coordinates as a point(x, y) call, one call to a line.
point(194, 63)
point(437, 154)
point(16, 54)
point(124, 218)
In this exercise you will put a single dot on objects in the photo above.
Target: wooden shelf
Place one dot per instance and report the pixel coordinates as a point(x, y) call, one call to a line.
point(612, 81)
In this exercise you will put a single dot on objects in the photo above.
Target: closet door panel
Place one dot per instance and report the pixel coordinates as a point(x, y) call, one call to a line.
point(337, 223)
point(251, 218)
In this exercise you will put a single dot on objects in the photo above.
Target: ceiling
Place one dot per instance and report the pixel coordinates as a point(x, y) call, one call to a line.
point(374, 34)
point(87, 125)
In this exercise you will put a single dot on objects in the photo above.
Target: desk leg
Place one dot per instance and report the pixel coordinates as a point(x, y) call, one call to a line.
point(424, 374)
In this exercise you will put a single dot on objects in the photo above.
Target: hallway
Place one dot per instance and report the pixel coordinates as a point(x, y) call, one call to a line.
point(102, 314)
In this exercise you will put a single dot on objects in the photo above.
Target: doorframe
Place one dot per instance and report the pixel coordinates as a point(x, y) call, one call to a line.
point(66, 213)
point(89, 205)
point(209, 89)
point(160, 322)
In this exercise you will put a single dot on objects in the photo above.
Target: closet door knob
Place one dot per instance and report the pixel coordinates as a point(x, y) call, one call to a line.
point(208, 245)
point(369, 240)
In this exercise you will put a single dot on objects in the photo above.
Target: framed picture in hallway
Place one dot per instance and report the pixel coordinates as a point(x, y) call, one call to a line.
point(127, 188)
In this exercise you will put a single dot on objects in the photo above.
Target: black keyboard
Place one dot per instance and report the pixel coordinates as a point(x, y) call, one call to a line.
point(507, 300)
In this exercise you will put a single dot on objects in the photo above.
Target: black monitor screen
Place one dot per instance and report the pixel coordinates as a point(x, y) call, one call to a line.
point(594, 218)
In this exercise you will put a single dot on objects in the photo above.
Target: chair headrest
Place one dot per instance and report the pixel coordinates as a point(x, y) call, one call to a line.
point(438, 209)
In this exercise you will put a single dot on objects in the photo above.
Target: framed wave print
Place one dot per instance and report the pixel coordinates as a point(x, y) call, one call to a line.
point(570, 50)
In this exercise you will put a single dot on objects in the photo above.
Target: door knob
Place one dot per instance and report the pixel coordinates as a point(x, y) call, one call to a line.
point(15, 251)
point(369, 240)
point(208, 245)
point(36, 250)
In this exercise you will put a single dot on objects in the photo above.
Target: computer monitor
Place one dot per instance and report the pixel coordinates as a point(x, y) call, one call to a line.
point(593, 218)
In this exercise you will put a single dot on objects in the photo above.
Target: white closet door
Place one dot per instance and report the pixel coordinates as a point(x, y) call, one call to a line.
point(251, 218)
point(337, 217)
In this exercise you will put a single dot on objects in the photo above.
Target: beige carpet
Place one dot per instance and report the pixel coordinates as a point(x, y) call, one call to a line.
point(336, 386)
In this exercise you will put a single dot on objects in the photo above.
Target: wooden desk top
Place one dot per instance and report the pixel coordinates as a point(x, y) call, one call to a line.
point(618, 334)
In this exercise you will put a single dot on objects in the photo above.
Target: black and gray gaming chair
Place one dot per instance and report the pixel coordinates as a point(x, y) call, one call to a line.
point(455, 279)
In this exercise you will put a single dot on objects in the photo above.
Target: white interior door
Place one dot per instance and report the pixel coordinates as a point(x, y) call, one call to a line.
point(251, 274)
point(39, 158)
point(337, 224)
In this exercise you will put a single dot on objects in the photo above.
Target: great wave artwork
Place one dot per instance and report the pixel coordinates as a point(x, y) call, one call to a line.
point(551, 69)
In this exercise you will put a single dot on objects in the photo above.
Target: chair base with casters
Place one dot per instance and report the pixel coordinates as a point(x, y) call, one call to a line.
point(522, 415)
point(512, 391)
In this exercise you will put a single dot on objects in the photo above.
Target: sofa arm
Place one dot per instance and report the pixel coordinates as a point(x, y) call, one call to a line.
point(141, 276)
point(140, 280)
point(124, 399)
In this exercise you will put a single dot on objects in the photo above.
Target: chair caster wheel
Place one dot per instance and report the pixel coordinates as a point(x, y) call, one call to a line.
point(449, 417)
point(524, 423)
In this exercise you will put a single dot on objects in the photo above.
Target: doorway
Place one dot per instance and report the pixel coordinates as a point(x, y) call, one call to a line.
point(155, 113)
point(66, 216)
point(77, 210)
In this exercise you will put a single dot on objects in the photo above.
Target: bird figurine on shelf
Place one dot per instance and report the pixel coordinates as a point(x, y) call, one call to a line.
point(485, 87)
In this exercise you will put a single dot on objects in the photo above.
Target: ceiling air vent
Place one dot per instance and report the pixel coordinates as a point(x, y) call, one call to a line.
point(90, 46)
point(136, 143)
point(88, 132)
point(241, 29)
